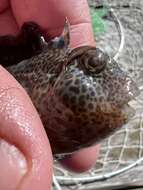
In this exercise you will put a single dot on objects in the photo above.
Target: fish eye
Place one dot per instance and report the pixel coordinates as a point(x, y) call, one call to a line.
point(95, 61)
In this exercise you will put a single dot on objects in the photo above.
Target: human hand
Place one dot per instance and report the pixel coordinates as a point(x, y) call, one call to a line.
point(25, 155)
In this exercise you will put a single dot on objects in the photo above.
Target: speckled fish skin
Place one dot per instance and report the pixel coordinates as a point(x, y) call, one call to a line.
point(81, 95)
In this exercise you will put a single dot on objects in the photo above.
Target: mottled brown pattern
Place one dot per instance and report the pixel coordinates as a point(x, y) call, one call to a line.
point(81, 95)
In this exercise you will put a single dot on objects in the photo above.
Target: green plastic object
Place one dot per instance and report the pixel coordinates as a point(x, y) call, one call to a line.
point(99, 26)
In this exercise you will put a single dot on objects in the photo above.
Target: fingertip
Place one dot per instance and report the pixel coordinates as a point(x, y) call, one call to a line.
point(82, 160)
point(21, 127)
point(81, 34)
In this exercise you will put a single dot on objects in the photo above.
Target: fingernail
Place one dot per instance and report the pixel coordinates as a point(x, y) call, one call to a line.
point(13, 166)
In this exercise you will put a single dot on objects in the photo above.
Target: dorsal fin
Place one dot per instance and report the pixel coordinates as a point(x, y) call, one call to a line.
point(63, 40)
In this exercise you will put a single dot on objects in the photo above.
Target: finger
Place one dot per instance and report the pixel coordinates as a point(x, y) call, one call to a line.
point(82, 160)
point(8, 23)
point(25, 155)
point(51, 15)
point(4, 4)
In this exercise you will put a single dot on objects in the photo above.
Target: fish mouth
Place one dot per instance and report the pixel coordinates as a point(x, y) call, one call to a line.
point(132, 89)
point(133, 92)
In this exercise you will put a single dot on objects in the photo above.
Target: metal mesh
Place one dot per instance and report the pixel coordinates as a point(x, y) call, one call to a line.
point(124, 149)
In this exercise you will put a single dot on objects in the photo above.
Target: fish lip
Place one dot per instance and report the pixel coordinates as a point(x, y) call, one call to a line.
point(132, 89)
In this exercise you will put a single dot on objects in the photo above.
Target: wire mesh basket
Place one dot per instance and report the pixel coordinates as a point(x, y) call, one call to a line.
point(122, 38)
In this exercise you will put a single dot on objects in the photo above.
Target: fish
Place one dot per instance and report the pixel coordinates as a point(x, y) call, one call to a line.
point(82, 95)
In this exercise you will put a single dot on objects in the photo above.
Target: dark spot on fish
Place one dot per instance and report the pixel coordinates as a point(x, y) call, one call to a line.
point(90, 89)
point(73, 107)
point(84, 116)
point(65, 98)
point(68, 82)
point(92, 93)
point(80, 75)
point(82, 97)
point(74, 89)
point(77, 81)
point(78, 119)
point(85, 123)
point(59, 92)
point(69, 117)
point(93, 120)
point(59, 111)
point(90, 106)
point(81, 102)
point(101, 98)
point(61, 83)
point(87, 96)
point(73, 100)
point(83, 89)
point(59, 121)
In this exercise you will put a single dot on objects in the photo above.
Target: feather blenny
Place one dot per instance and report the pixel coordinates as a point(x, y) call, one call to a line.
point(81, 94)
